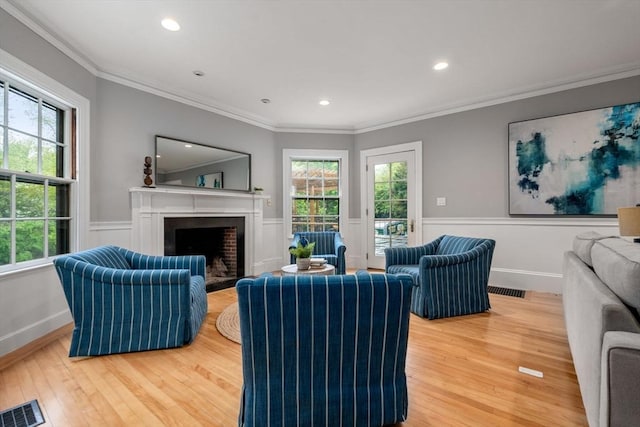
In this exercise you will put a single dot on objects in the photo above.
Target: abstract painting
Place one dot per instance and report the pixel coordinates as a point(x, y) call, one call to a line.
point(585, 163)
point(212, 180)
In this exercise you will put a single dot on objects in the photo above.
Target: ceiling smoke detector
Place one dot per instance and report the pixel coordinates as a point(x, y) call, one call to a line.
point(198, 73)
point(265, 100)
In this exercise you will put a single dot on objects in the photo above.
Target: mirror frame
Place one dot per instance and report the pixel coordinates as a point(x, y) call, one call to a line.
point(235, 154)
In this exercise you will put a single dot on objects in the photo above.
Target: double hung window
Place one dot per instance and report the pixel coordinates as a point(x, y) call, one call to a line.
point(316, 185)
point(34, 176)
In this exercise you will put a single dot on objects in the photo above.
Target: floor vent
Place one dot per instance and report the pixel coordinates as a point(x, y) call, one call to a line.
point(518, 293)
point(25, 415)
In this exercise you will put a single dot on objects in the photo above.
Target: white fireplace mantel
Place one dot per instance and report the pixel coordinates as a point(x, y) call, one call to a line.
point(150, 206)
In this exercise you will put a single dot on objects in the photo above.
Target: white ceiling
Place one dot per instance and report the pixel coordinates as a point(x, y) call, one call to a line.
point(372, 59)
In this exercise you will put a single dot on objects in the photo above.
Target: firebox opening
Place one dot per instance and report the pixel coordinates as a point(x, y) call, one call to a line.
point(220, 240)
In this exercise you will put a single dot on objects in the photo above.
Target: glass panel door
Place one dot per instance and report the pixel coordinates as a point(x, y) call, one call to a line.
point(390, 213)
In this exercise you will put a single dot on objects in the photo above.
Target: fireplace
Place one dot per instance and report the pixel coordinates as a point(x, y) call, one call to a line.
point(220, 239)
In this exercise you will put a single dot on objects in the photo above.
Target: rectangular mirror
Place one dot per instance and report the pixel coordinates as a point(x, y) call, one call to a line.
point(189, 164)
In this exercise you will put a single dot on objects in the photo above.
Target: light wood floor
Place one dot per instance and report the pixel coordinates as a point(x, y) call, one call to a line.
point(461, 371)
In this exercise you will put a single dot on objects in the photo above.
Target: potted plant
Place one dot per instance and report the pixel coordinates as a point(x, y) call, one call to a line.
point(303, 252)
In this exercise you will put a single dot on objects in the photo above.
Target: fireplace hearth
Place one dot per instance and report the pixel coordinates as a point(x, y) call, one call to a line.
point(220, 239)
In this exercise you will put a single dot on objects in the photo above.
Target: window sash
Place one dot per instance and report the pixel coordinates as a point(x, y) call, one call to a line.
point(41, 231)
point(315, 181)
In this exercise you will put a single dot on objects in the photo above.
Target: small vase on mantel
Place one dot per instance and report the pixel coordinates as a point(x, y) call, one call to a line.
point(303, 263)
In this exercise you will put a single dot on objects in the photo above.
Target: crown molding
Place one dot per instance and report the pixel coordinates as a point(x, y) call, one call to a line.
point(187, 100)
point(222, 110)
point(630, 70)
point(37, 28)
point(293, 129)
point(611, 75)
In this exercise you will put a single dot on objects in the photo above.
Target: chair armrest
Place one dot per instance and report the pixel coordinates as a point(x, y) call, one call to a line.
point(619, 387)
point(338, 244)
point(194, 263)
point(433, 261)
point(293, 245)
point(294, 242)
point(408, 256)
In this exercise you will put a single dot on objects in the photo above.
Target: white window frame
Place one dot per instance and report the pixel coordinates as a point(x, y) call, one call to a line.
point(30, 79)
point(289, 155)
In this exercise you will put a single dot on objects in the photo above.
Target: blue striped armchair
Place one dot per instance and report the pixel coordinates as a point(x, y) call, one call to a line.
point(450, 275)
point(123, 301)
point(324, 350)
point(329, 245)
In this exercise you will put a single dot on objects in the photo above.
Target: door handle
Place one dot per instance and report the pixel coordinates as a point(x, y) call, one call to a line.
point(412, 226)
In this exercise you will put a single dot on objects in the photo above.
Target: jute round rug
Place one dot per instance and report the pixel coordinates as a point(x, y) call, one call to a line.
point(228, 323)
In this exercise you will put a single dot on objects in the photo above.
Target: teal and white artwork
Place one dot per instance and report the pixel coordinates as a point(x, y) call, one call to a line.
point(585, 163)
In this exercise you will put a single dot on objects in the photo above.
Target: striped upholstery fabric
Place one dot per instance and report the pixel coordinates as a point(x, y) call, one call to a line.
point(122, 301)
point(450, 277)
point(329, 245)
point(325, 350)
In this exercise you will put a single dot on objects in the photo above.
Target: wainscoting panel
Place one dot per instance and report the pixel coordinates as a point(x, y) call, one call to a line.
point(528, 255)
point(273, 253)
point(353, 241)
point(110, 233)
point(529, 252)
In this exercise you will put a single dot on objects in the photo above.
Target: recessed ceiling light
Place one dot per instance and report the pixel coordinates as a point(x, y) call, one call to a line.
point(188, 145)
point(265, 100)
point(324, 102)
point(440, 66)
point(198, 73)
point(170, 24)
point(158, 156)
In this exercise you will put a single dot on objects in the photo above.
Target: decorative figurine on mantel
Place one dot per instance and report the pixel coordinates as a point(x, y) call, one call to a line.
point(147, 172)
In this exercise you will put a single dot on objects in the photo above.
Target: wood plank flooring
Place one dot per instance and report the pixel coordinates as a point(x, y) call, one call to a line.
point(461, 371)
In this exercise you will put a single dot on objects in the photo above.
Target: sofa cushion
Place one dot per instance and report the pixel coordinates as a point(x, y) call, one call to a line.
point(617, 263)
point(583, 243)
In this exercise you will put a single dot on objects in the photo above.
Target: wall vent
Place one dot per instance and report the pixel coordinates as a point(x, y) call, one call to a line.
point(518, 293)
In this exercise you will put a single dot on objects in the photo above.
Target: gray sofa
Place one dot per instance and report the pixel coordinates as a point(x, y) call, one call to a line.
point(601, 298)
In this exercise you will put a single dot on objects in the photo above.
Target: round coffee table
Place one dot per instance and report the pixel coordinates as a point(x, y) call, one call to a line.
point(325, 270)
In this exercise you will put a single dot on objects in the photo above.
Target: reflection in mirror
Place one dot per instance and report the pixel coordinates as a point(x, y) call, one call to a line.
point(189, 164)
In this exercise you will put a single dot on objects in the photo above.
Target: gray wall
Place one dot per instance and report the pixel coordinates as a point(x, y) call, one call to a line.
point(23, 43)
point(31, 301)
point(129, 119)
point(465, 154)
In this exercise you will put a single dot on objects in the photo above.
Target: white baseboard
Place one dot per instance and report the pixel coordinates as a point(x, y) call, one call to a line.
point(24, 336)
point(526, 280)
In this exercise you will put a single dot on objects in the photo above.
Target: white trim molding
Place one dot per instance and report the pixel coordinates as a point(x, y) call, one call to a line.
point(416, 148)
point(529, 251)
point(150, 206)
point(23, 293)
point(40, 82)
point(300, 154)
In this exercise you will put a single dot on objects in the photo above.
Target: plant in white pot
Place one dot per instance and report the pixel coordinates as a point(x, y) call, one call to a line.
point(303, 252)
